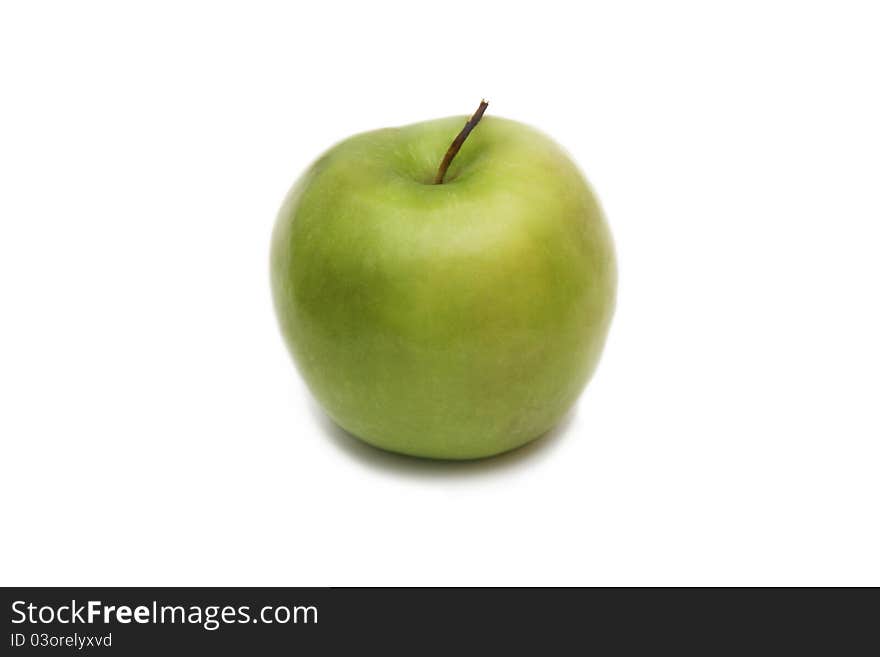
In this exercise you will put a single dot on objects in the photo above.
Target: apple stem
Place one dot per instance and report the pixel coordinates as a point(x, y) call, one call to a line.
point(458, 141)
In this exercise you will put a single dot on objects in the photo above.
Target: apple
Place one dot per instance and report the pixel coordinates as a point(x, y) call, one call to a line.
point(442, 301)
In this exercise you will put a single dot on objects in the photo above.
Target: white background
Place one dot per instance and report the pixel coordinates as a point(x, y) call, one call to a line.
point(154, 430)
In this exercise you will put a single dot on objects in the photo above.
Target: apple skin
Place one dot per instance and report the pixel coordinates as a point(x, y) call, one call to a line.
point(451, 321)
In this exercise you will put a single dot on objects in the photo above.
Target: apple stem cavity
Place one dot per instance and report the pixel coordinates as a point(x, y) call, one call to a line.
point(455, 146)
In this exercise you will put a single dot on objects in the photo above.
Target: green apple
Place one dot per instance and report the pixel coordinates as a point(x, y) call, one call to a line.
point(455, 320)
